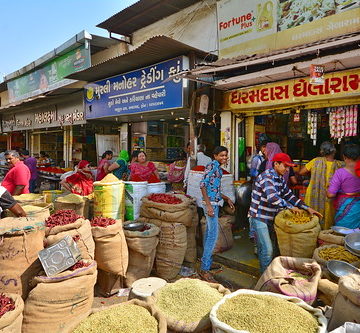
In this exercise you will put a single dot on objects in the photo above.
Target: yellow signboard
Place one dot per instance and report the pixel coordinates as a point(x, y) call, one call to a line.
point(337, 85)
point(247, 27)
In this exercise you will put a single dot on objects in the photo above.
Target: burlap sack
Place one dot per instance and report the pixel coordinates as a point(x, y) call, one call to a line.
point(142, 249)
point(179, 326)
point(323, 262)
point(40, 215)
point(225, 239)
point(59, 302)
point(111, 251)
point(162, 328)
point(285, 276)
point(296, 240)
point(191, 251)
point(21, 239)
point(327, 237)
point(347, 302)
point(11, 321)
point(327, 291)
point(170, 252)
point(81, 208)
point(180, 213)
point(107, 284)
point(80, 230)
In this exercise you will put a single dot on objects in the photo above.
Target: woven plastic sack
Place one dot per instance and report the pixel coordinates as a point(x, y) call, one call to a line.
point(220, 327)
point(296, 240)
point(11, 321)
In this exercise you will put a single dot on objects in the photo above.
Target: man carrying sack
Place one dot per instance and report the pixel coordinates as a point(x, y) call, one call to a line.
point(270, 195)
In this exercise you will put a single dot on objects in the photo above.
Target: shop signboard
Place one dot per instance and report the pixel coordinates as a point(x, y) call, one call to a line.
point(344, 84)
point(143, 90)
point(52, 116)
point(247, 27)
point(50, 76)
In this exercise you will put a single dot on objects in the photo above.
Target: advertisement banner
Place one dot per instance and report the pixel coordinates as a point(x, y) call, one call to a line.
point(146, 89)
point(336, 85)
point(50, 76)
point(247, 27)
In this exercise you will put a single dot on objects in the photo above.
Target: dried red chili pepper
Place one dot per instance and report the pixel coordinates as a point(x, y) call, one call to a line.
point(164, 198)
point(6, 304)
point(79, 264)
point(99, 221)
point(62, 217)
point(76, 238)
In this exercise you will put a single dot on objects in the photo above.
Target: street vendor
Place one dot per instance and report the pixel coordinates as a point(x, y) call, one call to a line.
point(212, 200)
point(345, 188)
point(17, 179)
point(270, 195)
point(7, 201)
point(143, 170)
point(81, 182)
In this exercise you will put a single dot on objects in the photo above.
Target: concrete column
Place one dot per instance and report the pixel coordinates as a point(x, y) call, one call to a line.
point(227, 137)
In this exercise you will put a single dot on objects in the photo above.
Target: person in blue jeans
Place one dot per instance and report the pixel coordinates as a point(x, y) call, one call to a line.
point(270, 195)
point(212, 200)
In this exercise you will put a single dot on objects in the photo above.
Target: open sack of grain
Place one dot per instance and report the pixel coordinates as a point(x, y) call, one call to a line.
point(11, 317)
point(111, 252)
point(247, 311)
point(67, 222)
point(334, 252)
point(29, 198)
point(346, 306)
point(186, 304)
point(142, 248)
point(297, 277)
point(40, 211)
point(297, 234)
point(74, 202)
point(134, 316)
point(21, 240)
point(59, 303)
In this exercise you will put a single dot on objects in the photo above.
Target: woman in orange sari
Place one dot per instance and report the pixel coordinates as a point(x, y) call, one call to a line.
point(81, 182)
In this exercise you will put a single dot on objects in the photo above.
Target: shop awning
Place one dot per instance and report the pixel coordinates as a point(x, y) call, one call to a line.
point(143, 13)
point(154, 50)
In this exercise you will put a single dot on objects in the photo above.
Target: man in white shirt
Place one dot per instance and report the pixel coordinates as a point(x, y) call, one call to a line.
point(201, 158)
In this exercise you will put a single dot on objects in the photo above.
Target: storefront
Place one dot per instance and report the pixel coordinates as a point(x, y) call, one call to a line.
point(298, 115)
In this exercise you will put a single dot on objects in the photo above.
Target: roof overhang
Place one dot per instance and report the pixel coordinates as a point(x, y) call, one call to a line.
point(154, 50)
point(143, 13)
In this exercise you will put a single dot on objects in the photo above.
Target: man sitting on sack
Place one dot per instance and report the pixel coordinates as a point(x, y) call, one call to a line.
point(270, 195)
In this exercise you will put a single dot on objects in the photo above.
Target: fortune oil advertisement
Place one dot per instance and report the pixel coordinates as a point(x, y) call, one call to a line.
point(247, 27)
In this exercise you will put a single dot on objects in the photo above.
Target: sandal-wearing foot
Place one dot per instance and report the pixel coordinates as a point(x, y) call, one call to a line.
point(215, 267)
point(207, 276)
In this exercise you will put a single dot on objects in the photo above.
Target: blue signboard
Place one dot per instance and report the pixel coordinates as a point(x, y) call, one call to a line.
point(143, 90)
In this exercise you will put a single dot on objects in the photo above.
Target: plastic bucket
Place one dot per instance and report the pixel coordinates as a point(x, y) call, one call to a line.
point(134, 191)
point(109, 200)
point(156, 188)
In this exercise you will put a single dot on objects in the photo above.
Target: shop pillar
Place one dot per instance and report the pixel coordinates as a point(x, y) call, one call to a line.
point(226, 137)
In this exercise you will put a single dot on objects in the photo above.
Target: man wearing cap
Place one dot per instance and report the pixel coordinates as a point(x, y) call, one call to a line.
point(270, 195)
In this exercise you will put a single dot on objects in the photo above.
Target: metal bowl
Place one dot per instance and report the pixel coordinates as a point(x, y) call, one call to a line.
point(352, 241)
point(338, 268)
point(134, 226)
point(347, 248)
point(341, 230)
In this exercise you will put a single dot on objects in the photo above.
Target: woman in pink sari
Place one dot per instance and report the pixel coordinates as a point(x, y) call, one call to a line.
point(143, 170)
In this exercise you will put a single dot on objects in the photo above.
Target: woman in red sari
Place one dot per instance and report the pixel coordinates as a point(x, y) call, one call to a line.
point(80, 182)
point(143, 170)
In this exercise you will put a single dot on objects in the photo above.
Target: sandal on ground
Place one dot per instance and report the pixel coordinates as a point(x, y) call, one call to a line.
point(207, 276)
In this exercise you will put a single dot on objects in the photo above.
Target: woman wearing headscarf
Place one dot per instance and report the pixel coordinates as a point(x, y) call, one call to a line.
point(120, 167)
point(80, 182)
point(322, 169)
point(103, 167)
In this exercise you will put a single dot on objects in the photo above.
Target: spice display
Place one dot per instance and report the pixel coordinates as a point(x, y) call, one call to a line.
point(266, 314)
point(164, 198)
point(71, 198)
point(61, 217)
point(109, 178)
point(337, 253)
point(126, 318)
point(31, 208)
point(300, 218)
point(188, 300)
point(99, 221)
point(6, 304)
point(27, 197)
point(79, 264)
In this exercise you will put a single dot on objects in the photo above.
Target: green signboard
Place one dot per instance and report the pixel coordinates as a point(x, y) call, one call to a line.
point(50, 76)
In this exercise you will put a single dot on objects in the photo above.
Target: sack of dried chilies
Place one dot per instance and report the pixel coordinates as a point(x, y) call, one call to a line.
point(111, 252)
point(59, 303)
point(11, 317)
point(67, 222)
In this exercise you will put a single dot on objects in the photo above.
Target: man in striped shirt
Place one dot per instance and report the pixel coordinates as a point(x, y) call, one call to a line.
point(270, 195)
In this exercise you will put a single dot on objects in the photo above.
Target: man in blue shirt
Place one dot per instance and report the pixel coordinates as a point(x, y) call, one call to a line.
point(212, 200)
